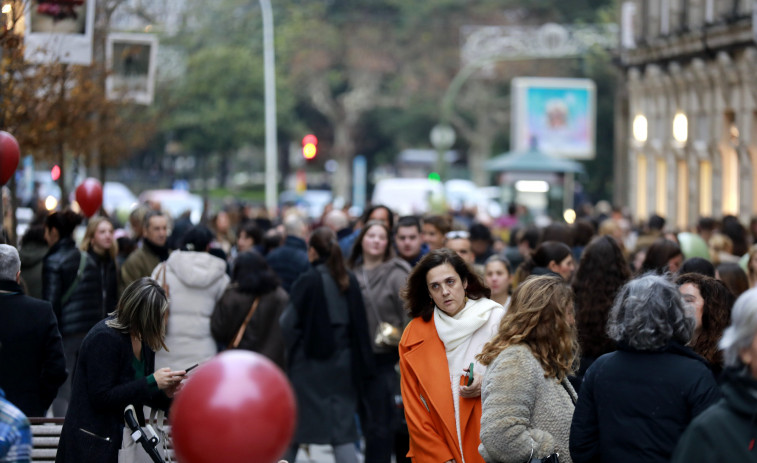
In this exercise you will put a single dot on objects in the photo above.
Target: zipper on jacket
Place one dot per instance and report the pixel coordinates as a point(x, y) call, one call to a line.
point(106, 439)
point(425, 404)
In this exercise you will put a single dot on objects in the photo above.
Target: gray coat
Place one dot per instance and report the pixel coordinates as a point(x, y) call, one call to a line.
point(381, 292)
point(522, 410)
point(327, 399)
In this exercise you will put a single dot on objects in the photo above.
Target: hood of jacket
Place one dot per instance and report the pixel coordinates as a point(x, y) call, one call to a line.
point(196, 269)
point(32, 254)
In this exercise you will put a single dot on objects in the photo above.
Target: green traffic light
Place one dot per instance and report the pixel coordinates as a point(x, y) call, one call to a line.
point(434, 176)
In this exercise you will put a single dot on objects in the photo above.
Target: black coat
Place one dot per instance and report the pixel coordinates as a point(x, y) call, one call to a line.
point(634, 405)
point(106, 268)
point(83, 308)
point(32, 365)
point(103, 385)
point(329, 356)
point(289, 261)
point(726, 431)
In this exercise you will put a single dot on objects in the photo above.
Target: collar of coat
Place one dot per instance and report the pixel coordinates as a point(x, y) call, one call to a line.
point(427, 358)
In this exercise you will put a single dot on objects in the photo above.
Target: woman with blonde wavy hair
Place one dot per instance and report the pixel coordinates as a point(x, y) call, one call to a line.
point(526, 399)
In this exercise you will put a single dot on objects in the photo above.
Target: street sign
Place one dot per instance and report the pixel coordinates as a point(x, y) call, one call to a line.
point(442, 137)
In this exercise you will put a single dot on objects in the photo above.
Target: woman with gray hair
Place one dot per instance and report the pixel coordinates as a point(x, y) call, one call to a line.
point(727, 431)
point(635, 403)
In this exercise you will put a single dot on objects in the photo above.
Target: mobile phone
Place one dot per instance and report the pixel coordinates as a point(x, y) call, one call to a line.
point(192, 367)
point(470, 374)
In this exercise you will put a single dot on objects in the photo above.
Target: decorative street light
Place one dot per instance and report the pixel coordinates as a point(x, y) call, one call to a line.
point(680, 128)
point(639, 128)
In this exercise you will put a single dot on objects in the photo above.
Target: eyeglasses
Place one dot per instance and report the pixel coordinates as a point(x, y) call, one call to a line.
point(457, 235)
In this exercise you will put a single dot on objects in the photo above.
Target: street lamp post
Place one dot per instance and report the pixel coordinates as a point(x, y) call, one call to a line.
point(271, 158)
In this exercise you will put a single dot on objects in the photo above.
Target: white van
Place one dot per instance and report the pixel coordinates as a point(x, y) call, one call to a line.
point(406, 196)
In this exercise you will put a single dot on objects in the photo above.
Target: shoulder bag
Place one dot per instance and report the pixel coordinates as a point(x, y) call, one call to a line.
point(238, 338)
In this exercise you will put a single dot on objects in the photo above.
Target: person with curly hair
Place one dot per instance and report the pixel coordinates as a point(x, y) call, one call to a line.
point(601, 273)
point(452, 319)
point(527, 401)
point(635, 403)
point(711, 303)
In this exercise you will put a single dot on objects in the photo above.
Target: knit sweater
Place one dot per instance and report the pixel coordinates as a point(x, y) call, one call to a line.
point(522, 410)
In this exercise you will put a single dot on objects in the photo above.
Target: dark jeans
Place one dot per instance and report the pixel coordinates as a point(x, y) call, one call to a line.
point(382, 411)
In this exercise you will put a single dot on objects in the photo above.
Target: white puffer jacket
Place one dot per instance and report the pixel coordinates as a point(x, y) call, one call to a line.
point(196, 281)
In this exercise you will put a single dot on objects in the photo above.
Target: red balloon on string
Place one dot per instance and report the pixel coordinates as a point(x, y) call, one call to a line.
point(9, 155)
point(89, 195)
point(238, 407)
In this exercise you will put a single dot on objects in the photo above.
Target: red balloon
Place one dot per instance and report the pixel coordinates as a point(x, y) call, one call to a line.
point(9, 155)
point(238, 407)
point(89, 195)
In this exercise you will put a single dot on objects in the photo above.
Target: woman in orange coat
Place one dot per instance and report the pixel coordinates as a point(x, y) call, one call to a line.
point(453, 318)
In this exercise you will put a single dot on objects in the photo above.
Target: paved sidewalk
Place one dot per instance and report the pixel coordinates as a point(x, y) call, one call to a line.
point(318, 454)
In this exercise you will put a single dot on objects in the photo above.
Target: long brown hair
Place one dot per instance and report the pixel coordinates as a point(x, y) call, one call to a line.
point(356, 255)
point(716, 315)
point(539, 318)
point(415, 293)
point(323, 240)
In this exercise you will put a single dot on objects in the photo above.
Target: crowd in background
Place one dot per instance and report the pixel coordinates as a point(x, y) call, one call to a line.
point(570, 310)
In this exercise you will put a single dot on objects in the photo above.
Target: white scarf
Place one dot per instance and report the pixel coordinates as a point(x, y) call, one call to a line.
point(463, 341)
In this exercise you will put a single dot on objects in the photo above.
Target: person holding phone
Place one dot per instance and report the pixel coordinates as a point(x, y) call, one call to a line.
point(452, 319)
point(115, 368)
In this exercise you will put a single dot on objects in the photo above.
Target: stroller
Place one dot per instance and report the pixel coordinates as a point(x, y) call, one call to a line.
point(146, 437)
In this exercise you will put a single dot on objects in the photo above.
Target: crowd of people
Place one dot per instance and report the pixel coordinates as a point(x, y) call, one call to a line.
point(431, 338)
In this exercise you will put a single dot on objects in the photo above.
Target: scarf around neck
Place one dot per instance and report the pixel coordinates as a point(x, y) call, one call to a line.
point(454, 331)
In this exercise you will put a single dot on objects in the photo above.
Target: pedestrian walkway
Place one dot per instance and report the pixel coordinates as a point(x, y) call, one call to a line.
point(318, 454)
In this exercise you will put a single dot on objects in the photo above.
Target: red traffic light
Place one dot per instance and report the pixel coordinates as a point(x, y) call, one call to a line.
point(309, 139)
point(309, 146)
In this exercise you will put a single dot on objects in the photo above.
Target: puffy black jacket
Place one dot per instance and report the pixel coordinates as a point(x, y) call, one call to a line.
point(84, 308)
point(107, 271)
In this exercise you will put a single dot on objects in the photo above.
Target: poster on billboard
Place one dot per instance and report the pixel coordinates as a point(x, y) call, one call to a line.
point(59, 31)
point(131, 62)
point(558, 114)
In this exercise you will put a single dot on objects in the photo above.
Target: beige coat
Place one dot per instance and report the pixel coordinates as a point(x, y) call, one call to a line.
point(522, 410)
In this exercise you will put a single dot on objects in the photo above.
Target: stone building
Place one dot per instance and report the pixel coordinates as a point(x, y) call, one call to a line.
point(687, 112)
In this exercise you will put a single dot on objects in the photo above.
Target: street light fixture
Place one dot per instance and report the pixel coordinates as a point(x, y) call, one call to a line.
point(639, 128)
point(680, 128)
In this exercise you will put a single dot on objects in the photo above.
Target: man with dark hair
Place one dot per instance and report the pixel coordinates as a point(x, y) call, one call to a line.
point(481, 242)
point(250, 237)
point(408, 239)
point(143, 261)
point(32, 363)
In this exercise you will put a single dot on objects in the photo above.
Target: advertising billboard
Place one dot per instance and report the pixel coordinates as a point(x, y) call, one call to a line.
point(131, 61)
point(558, 114)
point(59, 31)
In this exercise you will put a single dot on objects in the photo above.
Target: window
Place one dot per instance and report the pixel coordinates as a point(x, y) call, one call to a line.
point(705, 189)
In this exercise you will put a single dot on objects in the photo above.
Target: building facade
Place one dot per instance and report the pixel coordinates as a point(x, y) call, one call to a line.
point(687, 118)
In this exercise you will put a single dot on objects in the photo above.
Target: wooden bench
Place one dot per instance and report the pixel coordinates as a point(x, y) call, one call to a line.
point(46, 435)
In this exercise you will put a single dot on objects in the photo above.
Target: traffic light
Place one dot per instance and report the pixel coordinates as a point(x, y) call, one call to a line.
point(309, 146)
point(55, 172)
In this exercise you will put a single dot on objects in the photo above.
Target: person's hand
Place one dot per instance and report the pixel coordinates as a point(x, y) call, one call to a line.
point(474, 390)
point(168, 380)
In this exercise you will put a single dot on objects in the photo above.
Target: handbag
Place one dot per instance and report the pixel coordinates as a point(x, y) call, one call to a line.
point(163, 283)
point(387, 335)
point(238, 338)
point(553, 458)
point(133, 452)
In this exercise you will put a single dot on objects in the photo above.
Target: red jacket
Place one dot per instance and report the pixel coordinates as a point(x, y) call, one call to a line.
point(427, 397)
